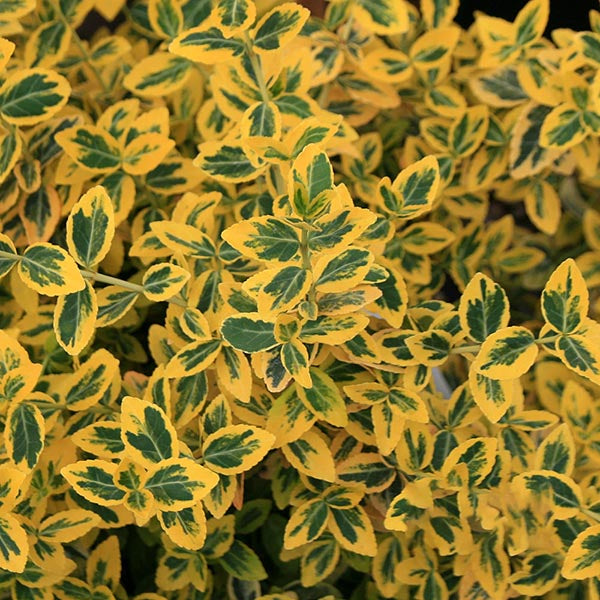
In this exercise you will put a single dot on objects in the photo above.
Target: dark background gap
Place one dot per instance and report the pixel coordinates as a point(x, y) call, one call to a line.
point(572, 14)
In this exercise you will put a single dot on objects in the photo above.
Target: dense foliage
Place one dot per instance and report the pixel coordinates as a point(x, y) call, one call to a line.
point(298, 308)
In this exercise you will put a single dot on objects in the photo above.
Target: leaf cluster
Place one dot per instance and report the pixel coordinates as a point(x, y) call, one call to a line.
point(296, 308)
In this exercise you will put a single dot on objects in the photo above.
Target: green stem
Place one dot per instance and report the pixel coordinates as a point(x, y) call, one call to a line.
point(15, 132)
point(128, 285)
point(266, 98)
point(134, 287)
point(324, 95)
point(305, 252)
point(476, 347)
point(10, 255)
point(46, 362)
point(348, 24)
point(79, 44)
point(571, 198)
point(463, 349)
point(108, 279)
point(254, 60)
point(279, 181)
point(591, 514)
point(136, 26)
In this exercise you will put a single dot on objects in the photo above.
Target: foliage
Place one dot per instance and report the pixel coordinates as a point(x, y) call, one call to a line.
point(296, 307)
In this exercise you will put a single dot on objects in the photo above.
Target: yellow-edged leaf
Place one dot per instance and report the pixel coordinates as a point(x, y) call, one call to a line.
point(49, 270)
point(236, 448)
point(30, 96)
point(506, 354)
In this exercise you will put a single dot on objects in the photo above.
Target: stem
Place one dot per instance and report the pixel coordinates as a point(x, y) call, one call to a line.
point(591, 514)
point(79, 44)
point(134, 25)
point(571, 198)
point(134, 287)
point(46, 362)
point(266, 98)
point(305, 250)
point(476, 347)
point(462, 349)
point(24, 149)
point(254, 60)
point(10, 256)
point(323, 96)
point(348, 24)
point(128, 285)
point(279, 181)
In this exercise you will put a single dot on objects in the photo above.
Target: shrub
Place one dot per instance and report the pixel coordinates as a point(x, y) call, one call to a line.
point(297, 307)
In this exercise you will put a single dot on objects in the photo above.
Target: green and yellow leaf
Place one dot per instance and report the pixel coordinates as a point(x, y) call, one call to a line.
point(75, 319)
point(430, 348)
point(323, 399)
point(147, 433)
point(384, 17)
point(158, 75)
point(206, 44)
point(483, 308)
point(310, 455)
point(102, 438)
point(506, 354)
point(557, 451)
point(494, 397)
point(24, 435)
point(583, 557)
point(90, 147)
point(91, 227)
point(413, 191)
point(563, 128)
point(248, 332)
point(538, 575)
point(236, 448)
point(580, 353)
point(15, 547)
point(94, 480)
point(30, 96)
point(49, 270)
point(264, 238)
point(166, 18)
point(279, 27)
point(353, 529)
point(67, 525)
point(88, 384)
point(565, 298)
point(194, 358)
point(163, 281)
point(7, 262)
point(178, 483)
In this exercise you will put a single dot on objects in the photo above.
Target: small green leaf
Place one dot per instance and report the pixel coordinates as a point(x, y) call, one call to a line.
point(248, 332)
point(242, 562)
